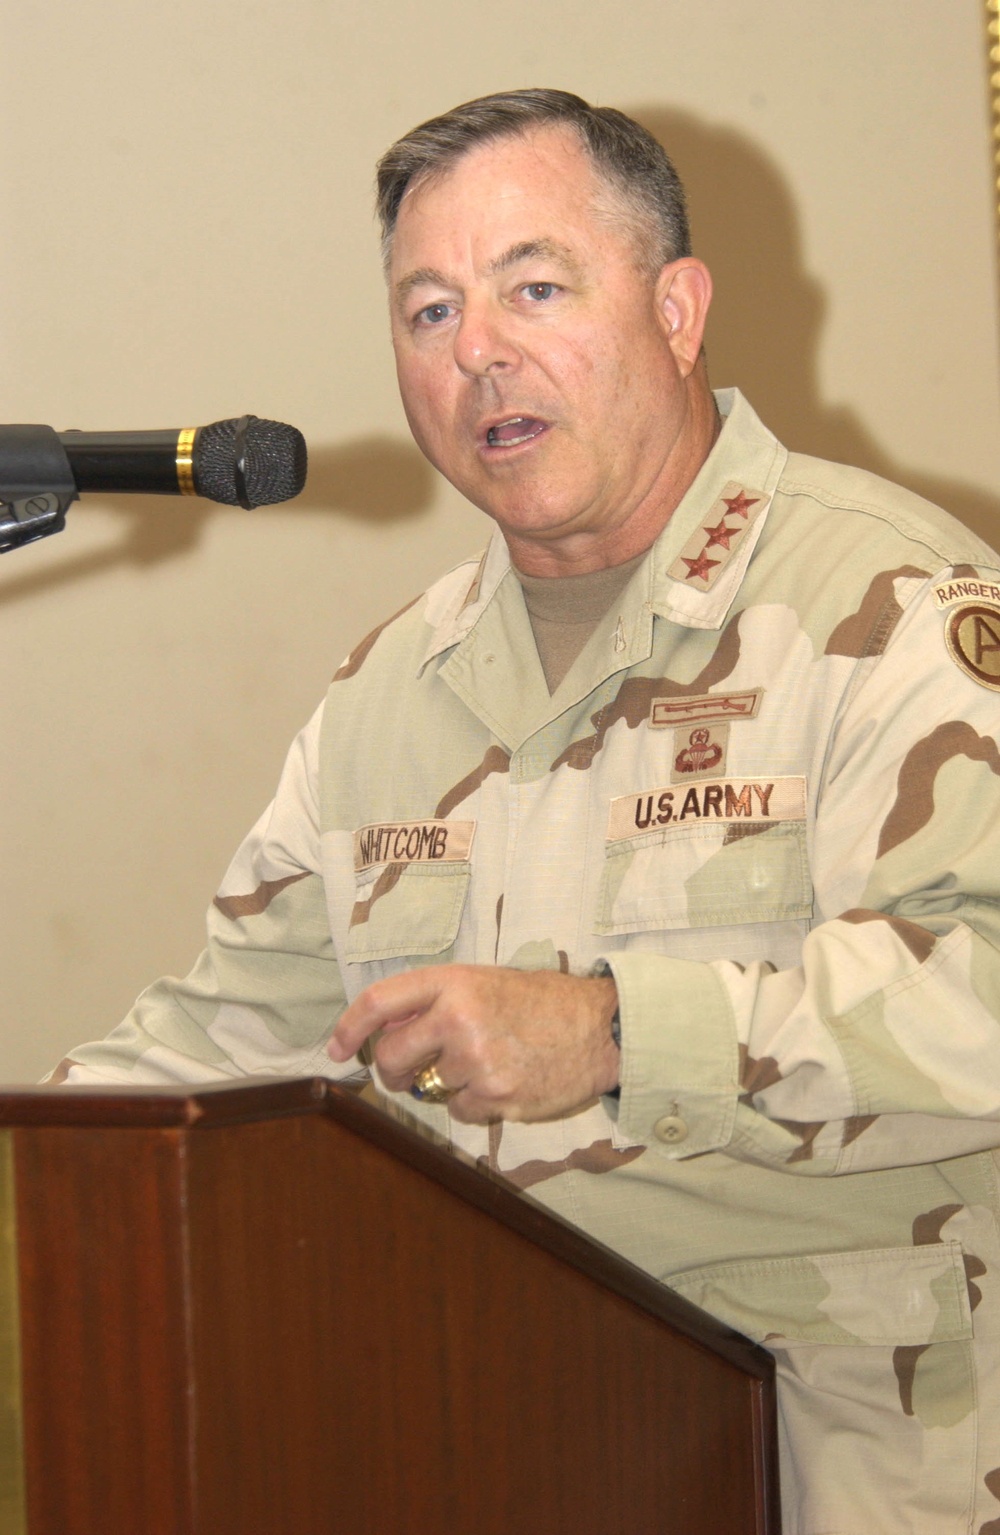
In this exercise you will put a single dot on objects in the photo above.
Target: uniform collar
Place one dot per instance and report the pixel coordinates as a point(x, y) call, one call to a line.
point(461, 606)
point(700, 558)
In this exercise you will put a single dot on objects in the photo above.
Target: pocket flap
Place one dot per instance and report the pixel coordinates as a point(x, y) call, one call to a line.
point(706, 876)
point(407, 909)
point(891, 1296)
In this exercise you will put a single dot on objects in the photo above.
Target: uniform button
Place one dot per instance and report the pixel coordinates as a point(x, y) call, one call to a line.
point(671, 1129)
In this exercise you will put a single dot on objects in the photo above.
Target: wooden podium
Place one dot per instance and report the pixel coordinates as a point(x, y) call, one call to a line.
point(272, 1310)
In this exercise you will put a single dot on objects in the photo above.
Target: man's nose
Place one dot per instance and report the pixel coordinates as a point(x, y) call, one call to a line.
point(483, 341)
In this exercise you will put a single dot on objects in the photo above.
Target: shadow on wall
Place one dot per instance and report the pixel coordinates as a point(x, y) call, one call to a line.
point(767, 313)
point(376, 479)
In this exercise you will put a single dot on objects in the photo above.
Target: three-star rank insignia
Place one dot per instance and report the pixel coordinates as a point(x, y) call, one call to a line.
point(717, 538)
point(972, 634)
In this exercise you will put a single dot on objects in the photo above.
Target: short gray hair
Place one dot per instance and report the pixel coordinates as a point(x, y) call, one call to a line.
point(646, 190)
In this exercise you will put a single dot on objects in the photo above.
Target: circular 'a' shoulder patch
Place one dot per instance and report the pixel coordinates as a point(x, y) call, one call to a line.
point(972, 634)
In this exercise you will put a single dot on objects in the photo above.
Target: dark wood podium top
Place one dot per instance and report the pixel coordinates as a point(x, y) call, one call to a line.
point(224, 1104)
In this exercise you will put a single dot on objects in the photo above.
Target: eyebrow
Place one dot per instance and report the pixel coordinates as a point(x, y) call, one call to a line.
point(524, 250)
point(423, 277)
point(531, 250)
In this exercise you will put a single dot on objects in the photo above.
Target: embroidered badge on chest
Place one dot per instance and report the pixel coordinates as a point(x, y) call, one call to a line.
point(714, 543)
point(972, 634)
point(704, 708)
point(699, 752)
point(701, 729)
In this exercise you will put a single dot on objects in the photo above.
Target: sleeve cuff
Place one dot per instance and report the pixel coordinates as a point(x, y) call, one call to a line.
point(680, 1062)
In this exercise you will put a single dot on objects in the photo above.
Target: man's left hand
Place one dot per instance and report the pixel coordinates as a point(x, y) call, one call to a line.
point(509, 1044)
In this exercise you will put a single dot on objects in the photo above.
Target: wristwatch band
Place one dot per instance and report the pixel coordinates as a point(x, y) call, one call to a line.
point(601, 969)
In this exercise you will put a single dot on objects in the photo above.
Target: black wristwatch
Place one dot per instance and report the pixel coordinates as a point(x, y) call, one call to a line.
point(601, 969)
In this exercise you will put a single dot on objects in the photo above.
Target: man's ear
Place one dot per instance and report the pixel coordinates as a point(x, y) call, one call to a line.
point(682, 296)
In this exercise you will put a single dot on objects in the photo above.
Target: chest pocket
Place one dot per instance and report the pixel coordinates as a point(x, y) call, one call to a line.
point(705, 876)
point(407, 909)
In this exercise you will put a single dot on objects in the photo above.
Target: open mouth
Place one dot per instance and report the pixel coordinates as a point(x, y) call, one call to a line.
point(513, 431)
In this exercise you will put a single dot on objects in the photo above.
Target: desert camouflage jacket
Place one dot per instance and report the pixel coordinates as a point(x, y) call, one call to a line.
point(768, 794)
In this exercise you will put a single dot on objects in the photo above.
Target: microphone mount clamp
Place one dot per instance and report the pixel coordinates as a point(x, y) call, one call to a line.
point(37, 486)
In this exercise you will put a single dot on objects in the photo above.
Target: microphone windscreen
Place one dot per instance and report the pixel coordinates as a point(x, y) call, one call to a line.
point(268, 456)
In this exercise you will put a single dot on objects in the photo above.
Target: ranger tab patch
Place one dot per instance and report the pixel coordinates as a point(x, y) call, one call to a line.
point(413, 842)
point(972, 634)
point(717, 801)
point(964, 589)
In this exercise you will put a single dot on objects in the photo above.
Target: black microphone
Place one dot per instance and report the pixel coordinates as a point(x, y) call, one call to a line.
point(244, 462)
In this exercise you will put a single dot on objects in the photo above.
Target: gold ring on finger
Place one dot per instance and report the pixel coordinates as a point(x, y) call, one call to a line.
point(428, 1087)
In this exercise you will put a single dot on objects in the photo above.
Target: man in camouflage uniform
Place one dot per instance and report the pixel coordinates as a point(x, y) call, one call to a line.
point(757, 786)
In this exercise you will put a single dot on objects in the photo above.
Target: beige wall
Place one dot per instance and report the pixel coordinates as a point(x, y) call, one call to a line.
point(185, 207)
